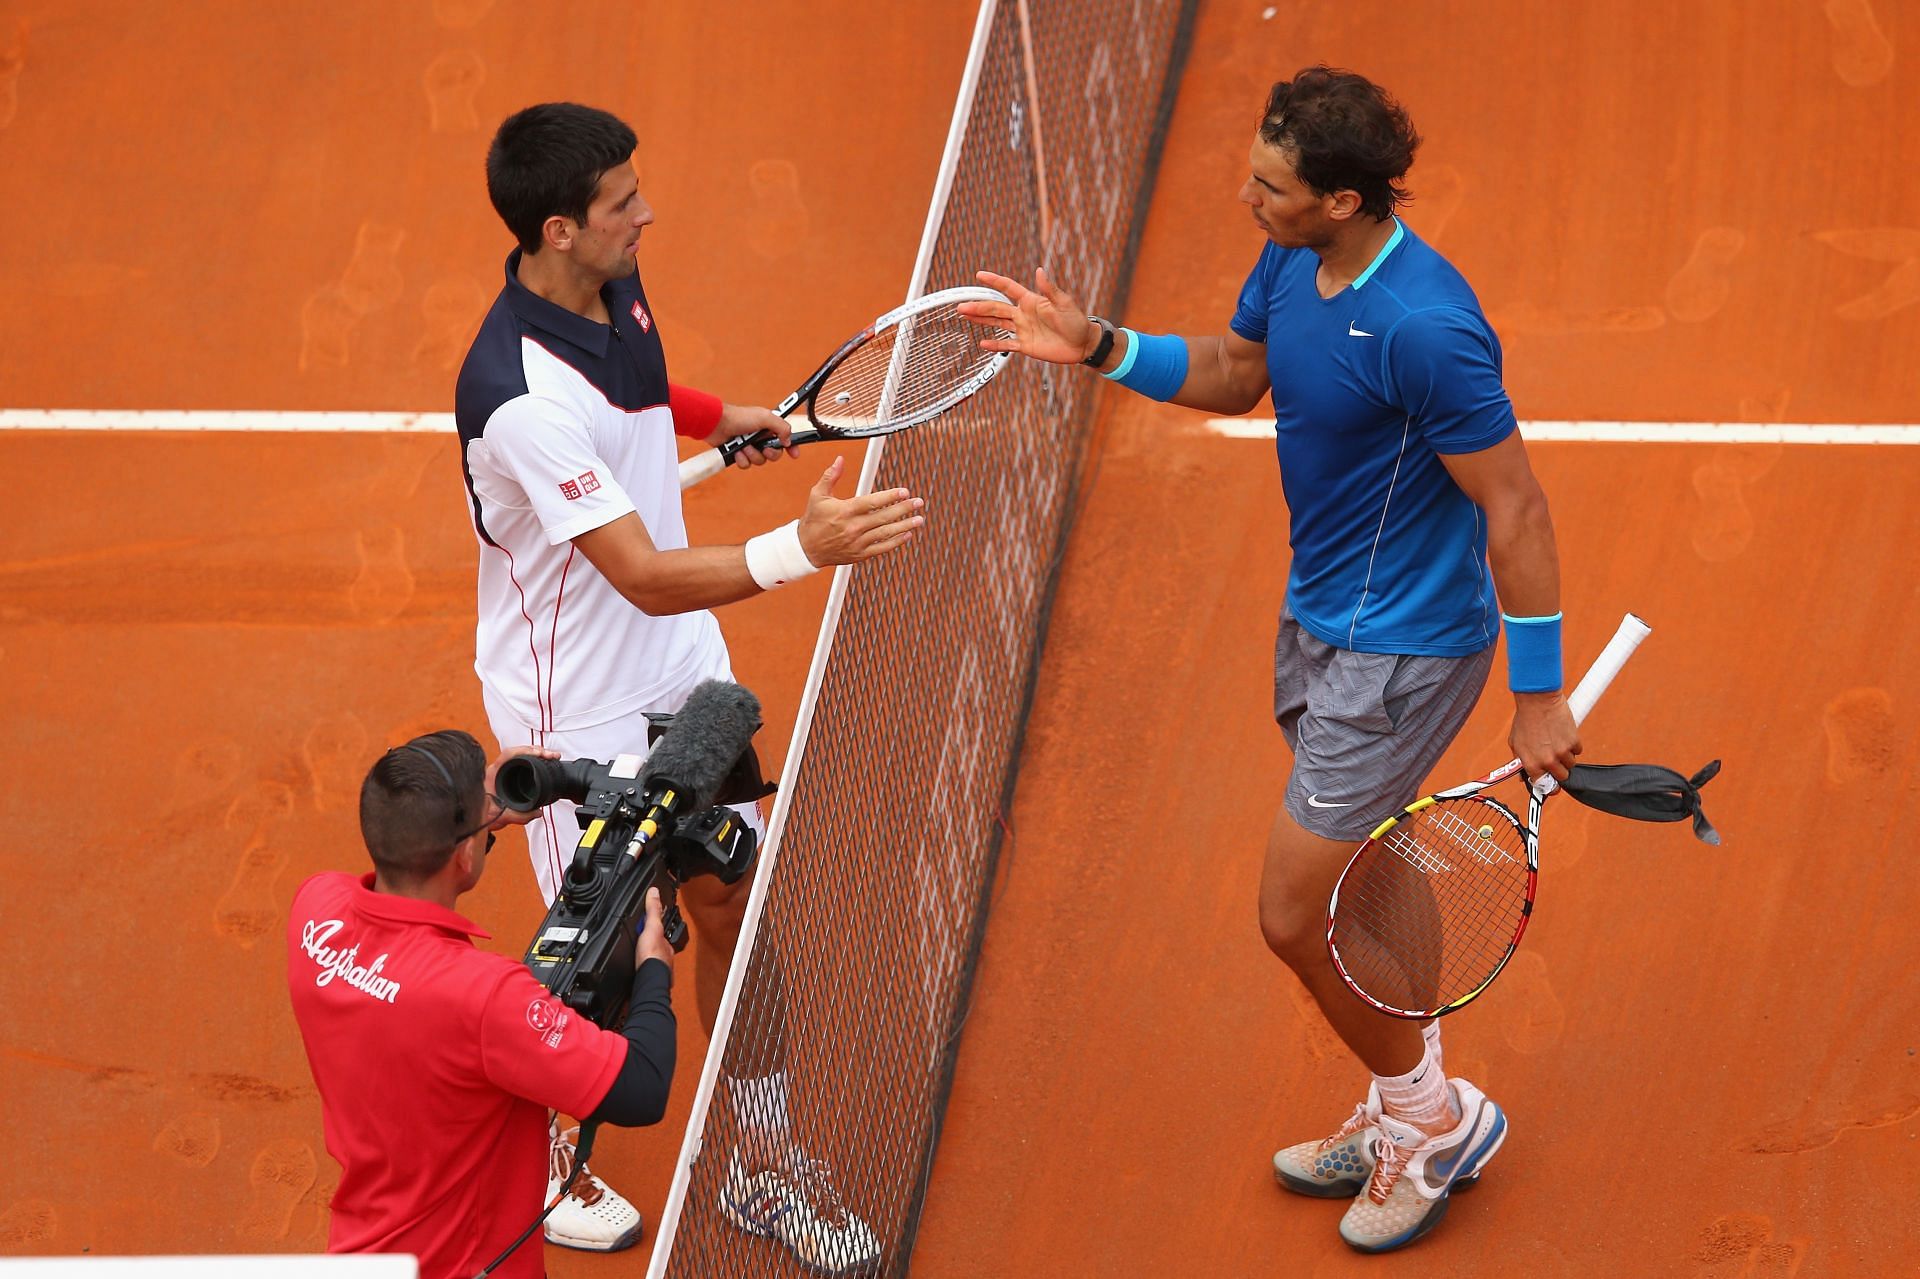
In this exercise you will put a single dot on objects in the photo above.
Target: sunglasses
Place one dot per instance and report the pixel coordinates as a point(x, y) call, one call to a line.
point(498, 809)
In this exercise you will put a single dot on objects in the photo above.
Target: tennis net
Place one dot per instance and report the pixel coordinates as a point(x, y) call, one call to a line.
point(864, 927)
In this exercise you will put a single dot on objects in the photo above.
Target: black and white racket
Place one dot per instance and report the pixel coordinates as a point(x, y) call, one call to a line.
point(1430, 908)
point(907, 367)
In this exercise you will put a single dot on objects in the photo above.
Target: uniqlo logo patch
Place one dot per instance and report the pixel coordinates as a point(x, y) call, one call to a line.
point(570, 489)
point(641, 318)
point(589, 483)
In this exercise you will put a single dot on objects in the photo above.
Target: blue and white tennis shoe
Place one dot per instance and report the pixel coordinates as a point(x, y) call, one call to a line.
point(797, 1203)
point(1334, 1167)
point(1413, 1173)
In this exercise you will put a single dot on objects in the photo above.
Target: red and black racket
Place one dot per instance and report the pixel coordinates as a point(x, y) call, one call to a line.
point(1433, 905)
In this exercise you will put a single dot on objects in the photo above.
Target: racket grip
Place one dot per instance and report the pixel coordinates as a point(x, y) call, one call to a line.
point(1607, 665)
point(702, 466)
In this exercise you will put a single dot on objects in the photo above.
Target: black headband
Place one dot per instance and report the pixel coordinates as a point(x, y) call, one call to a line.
point(435, 761)
point(459, 801)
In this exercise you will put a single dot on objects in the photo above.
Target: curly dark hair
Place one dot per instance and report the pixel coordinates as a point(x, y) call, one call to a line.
point(548, 160)
point(1344, 133)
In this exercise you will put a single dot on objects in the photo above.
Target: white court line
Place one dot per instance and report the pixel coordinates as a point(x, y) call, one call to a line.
point(1231, 428)
point(216, 420)
point(1261, 428)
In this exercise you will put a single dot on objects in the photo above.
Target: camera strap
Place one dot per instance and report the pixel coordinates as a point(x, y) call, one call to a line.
point(588, 1127)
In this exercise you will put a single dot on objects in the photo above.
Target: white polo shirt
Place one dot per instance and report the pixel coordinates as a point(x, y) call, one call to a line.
point(565, 427)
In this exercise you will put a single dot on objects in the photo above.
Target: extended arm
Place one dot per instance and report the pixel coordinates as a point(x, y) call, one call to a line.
point(1223, 374)
point(833, 531)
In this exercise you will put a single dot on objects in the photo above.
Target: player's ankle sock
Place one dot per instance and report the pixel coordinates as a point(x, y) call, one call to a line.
point(1421, 1096)
point(1431, 1034)
point(760, 1103)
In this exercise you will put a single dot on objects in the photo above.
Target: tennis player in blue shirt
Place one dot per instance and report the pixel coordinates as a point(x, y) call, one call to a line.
point(1417, 528)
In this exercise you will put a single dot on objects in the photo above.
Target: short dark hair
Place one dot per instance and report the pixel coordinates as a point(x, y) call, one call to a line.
point(1345, 133)
point(420, 800)
point(547, 161)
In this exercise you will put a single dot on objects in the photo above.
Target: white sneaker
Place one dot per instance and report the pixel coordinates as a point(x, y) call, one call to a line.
point(593, 1217)
point(799, 1205)
point(1413, 1173)
point(1334, 1167)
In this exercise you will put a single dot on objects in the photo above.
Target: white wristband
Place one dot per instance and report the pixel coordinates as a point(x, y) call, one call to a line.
point(776, 558)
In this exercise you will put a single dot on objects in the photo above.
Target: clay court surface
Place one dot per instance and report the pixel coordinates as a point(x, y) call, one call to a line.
point(1673, 213)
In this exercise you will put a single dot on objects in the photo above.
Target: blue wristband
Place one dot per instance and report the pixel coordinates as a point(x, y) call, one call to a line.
point(1155, 365)
point(1533, 653)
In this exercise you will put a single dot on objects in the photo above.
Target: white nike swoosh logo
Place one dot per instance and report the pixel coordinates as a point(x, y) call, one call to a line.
point(1314, 800)
point(1356, 333)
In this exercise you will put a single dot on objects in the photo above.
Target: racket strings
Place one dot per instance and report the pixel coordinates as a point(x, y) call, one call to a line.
point(1430, 909)
point(913, 369)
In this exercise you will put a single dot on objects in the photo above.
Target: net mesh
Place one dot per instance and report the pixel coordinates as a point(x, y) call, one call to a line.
point(1429, 909)
point(856, 988)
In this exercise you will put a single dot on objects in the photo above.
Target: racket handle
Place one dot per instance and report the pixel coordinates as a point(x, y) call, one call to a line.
point(702, 466)
point(1607, 665)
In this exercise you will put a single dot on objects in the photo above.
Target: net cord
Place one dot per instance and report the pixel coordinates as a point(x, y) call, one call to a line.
point(810, 695)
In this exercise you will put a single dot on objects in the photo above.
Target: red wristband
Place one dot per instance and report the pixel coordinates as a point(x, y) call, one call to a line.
point(695, 413)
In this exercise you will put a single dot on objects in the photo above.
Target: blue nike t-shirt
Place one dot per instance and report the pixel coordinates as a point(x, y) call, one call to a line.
point(1370, 387)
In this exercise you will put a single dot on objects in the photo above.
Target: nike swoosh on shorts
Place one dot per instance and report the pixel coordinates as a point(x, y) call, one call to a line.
point(1314, 801)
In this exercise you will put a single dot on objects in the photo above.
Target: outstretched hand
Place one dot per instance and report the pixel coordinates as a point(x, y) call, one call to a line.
point(1047, 321)
point(847, 530)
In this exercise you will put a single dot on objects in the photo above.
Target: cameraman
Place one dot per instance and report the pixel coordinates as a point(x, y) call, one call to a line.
point(438, 1062)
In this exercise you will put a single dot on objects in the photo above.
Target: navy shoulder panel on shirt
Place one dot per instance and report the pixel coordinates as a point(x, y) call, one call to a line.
point(493, 372)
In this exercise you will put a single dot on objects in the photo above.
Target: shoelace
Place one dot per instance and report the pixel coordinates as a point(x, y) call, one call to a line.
point(1355, 1122)
point(587, 1188)
point(814, 1180)
point(1390, 1162)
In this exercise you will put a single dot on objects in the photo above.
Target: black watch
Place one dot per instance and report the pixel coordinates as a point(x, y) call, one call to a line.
point(1105, 348)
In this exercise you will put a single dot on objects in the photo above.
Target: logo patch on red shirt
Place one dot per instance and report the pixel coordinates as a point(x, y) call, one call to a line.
point(549, 1020)
point(641, 318)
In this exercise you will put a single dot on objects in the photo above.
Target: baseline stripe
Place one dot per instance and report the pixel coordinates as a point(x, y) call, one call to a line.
point(1231, 428)
point(217, 420)
point(1255, 428)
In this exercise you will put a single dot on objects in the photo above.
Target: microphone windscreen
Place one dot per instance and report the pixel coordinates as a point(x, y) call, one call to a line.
point(707, 737)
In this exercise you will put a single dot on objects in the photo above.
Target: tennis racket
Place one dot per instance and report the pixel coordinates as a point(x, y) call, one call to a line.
point(907, 367)
point(1432, 906)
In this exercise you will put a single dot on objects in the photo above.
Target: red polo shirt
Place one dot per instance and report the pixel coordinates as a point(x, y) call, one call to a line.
point(437, 1063)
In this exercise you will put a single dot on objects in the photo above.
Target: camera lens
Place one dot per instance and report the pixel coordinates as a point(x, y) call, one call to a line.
point(517, 784)
point(527, 782)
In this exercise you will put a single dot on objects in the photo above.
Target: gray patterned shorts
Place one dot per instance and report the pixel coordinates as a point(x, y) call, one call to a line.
point(1365, 728)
